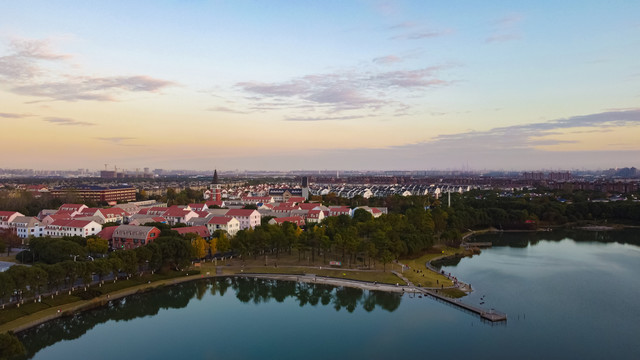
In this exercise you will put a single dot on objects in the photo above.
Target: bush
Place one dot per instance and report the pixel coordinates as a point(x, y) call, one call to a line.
point(89, 294)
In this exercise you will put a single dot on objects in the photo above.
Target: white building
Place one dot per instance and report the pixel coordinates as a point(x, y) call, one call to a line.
point(6, 217)
point(82, 228)
point(26, 226)
point(249, 218)
point(227, 223)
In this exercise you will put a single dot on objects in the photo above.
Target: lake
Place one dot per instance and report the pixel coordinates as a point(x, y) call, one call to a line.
point(567, 294)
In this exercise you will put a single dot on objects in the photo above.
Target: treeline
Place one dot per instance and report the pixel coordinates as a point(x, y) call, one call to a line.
point(484, 208)
point(358, 240)
point(26, 203)
point(66, 263)
point(477, 209)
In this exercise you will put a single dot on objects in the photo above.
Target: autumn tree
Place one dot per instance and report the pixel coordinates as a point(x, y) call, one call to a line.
point(200, 247)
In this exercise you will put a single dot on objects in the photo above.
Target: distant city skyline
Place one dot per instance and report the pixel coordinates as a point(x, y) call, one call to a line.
point(344, 85)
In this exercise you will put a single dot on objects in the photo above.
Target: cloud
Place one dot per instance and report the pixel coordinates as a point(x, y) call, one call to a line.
point(116, 140)
point(22, 63)
point(509, 20)
point(334, 118)
point(226, 109)
point(505, 29)
point(342, 90)
point(402, 25)
point(36, 49)
point(511, 147)
point(418, 35)
point(386, 60)
point(67, 121)
point(27, 71)
point(529, 136)
point(14, 116)
point(88, 88)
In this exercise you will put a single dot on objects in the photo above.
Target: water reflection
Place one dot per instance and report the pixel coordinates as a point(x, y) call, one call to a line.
point(522, 240)
point(250, 290)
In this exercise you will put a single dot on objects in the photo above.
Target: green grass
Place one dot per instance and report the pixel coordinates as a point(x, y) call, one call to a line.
point(427, 277)
point(452, 293)
point(12, 313)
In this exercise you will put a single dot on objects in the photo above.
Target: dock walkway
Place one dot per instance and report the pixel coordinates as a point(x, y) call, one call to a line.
point(491, 315)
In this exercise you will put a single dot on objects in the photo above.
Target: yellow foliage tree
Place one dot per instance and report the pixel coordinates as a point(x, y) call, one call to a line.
point(200, 247)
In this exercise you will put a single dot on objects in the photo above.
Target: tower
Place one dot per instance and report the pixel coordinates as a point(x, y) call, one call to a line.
point(305, 187)
point(215, 187)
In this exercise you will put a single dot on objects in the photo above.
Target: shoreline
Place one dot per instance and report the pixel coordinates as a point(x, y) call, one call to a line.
point(73, 308)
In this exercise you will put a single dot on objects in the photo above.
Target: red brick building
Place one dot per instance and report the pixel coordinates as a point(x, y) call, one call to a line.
point(131, 236)
point(119, 193)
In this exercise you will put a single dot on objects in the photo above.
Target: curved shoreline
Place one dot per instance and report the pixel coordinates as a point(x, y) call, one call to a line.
point(70, 309)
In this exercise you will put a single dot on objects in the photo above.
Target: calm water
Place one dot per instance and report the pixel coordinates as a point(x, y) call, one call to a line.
point(565, 298)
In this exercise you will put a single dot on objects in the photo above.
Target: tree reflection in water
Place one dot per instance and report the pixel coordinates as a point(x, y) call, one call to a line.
point(518, 239)
point(247, 290)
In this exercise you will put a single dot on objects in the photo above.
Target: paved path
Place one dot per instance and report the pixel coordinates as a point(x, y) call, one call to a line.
point(308, 278)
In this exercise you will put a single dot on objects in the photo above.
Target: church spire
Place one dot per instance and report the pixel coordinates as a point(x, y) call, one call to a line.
point(215, 177)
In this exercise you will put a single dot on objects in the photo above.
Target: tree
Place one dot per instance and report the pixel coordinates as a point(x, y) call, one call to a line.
point(53, 251)
point(20, 275)
point(221, 243)
point(241, 242)
point(200, 247)
point(116, 265)
point(7, 287)
point(386, 256)
point(9, 239)
point(102, 267)
point(176, 252)
point(85, 270)
point(96, 245)
point(56, 275)
point(362, 215)
point(71, 272)
point(129, 260)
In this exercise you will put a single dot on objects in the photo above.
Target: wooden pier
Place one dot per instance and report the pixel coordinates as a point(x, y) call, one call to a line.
point(490, 315)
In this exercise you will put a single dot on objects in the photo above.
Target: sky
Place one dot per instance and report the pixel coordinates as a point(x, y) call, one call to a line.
point(304, 85)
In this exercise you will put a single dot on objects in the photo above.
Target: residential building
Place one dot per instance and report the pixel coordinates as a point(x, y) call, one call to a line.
point(315, 216)
point(71, 208)
point(27, 226)
point(226, 223)
point(82, 228)
point(340, 210)
point(298, 220)
point(131, 237)
point(175, 215)
point(6, 217)
point(249, 218)
point(201, 231)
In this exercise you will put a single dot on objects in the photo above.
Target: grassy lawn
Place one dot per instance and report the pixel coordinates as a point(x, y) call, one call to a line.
point(426, 277)
point(452, 293)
